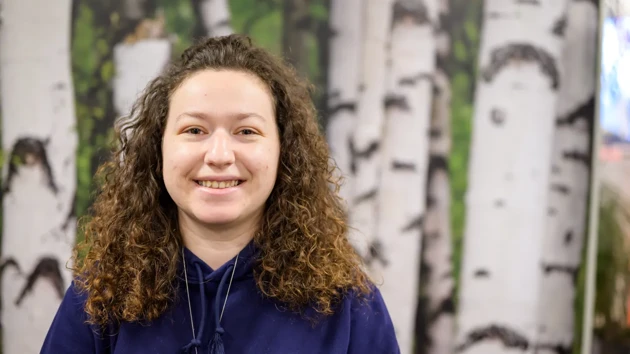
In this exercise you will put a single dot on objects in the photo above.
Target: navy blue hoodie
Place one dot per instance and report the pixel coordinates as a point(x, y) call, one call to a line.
point(250, 323)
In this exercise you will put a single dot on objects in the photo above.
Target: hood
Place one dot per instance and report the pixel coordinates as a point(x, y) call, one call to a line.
point(197, 272)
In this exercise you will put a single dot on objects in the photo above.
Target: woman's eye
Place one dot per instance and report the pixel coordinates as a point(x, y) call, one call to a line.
point(194, 131)
point(247, 132)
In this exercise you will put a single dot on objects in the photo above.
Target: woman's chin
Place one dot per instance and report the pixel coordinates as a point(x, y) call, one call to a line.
point(216, 218)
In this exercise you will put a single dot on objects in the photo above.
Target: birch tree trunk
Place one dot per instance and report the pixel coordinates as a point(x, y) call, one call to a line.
point(214, 15)
point(137, 60)
point(437, 280)
point(568, 193)
point(346, 17)
point(40, 179)
point(401, 193)
point(366, 142)
point(508, 179)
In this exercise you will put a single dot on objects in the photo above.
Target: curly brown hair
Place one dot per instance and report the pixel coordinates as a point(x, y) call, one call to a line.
point(129, 260)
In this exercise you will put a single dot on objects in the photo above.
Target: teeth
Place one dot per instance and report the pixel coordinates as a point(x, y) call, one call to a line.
point(217, 185)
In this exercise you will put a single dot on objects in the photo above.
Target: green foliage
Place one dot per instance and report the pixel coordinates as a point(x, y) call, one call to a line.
point(261, 20)
point(464, 27)
point(612, 273)
point(180, 21)
point(461, 128)
point(84, 65)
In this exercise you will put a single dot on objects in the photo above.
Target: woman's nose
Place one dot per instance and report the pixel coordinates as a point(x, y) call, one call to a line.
point(219, 149)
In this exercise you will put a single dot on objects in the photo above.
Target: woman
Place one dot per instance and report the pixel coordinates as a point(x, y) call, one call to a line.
point(216, 228)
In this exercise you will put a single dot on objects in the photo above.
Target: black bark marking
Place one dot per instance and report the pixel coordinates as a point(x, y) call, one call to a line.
point(499, 203)
point(343, 106)
point(571, 271)
point(333, 95)
point(6, 263)
point(432, 236)
point(568, 238)
point(555, 169)
point(356, 154)
point(560, 26)
point(594, 2)
point(59, 86)
point(584, 111)
point(560, 188)
point(557, 348)
point(415, 11)
point(31, 152)
point(397, 101)
point(47, 267)
point(412, 80)
point(447, 306)
point(304, 22)
point(517, 53)
point(369, 195)
point(71, 213)
point(509, 337)
point(415, 224)
point(9, 262)
point(222, 24)
point(493, 15)
point(403, 166)
point(578, 156)
point(376, 253)
point(481, 273)
point(436, 163)
point(435, 133)
point(497, 116)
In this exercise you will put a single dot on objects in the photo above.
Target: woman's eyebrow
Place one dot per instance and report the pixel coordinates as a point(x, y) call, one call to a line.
point(206, 116)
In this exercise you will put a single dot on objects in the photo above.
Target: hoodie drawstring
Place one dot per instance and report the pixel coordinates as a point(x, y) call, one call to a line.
point(216, 344)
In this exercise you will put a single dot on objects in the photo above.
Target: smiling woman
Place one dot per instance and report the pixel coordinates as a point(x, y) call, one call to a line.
point(205, 234)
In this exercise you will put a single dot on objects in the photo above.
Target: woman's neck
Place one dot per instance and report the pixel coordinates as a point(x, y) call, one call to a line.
point(215, 246)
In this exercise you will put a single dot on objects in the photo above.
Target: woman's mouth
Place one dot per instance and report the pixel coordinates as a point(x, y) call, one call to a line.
point(219, 184)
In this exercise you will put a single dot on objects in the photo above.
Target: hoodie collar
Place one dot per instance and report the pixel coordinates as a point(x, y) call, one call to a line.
point(244, 266)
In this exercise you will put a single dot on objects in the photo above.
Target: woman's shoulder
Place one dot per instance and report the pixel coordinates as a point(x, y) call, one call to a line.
point(372, 330)
point(70, 330)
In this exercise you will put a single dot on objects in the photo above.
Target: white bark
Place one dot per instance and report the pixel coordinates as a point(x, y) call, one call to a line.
point(346, 20)
point(369, 128)
point(509, 176)
point(438, 281)
point(136, 64)
point(40, 174)
point(216, 17)
point(569, 181)
point(401, 193)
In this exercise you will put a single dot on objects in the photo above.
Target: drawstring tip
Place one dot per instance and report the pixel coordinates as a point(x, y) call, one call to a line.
point(216, 345)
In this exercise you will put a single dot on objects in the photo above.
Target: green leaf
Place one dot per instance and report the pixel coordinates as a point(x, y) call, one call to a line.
point(107, 71)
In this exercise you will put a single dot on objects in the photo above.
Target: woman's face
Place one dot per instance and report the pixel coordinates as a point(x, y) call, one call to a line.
point(221, 148)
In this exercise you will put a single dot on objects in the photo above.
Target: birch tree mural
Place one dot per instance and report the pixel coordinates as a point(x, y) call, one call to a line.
point(346, 19)
point(508, 178)
point(405, 141)
point(367, 140)
point(437, 323)
point(39, 135)
point(141, 56)
point(569, 183)
point(213, 16)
